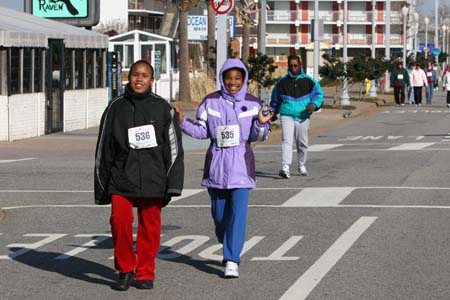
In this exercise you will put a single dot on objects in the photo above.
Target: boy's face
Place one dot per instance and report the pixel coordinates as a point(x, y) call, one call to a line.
point(233, 81)
point(141, 78)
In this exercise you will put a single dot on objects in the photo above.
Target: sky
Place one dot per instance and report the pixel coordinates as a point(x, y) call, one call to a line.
point(14, 4)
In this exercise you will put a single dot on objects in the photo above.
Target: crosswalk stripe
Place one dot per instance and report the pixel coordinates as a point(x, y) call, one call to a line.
point(322, 147)
point(187, 193)
point(319, 197)
point(411, 146)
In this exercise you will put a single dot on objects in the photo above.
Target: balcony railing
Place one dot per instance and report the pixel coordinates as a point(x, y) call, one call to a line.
point(290, 39)
point(285, 16)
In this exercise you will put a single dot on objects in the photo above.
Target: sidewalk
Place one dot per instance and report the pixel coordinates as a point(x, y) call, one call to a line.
point(85, 140)
point(320, 121)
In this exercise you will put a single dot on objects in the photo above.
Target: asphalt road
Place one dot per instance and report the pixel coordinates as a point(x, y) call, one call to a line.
point(369, 222)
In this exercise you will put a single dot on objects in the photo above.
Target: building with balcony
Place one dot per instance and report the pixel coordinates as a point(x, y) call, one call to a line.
point(288, 28)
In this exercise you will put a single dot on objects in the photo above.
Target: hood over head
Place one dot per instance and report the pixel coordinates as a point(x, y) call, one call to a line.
point(232, 63)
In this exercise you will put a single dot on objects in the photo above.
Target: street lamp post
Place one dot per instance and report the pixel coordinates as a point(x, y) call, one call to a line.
point(416, 30)
point(404, 14)
point(345, 99)
point(436, 28)
point(387, 85)
point(373, 88)
point(427, 21)
point(444, 30)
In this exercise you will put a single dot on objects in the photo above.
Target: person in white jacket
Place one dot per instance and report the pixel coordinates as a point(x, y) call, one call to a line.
point(447, 86)
point(418, 80)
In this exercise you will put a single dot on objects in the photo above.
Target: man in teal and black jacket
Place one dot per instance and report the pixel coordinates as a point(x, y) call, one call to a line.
point(295, 97)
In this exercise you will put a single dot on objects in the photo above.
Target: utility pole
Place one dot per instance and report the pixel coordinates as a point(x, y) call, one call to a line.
point(345, 99)
point(387, 36)
point(373, 88)
point(262, 27)
point(316, 40)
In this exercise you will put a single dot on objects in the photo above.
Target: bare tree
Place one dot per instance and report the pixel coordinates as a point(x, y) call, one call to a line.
point(185, 89)
point(244, 17)
point(211, 40)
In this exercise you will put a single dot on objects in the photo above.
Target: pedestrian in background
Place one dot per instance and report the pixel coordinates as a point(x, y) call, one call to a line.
point(446, 83)
point(437, 70)
point(138, 163)
point(431, 79)
point(295, 97)
point(410, 88)
point(418, 80)
point(231, 118)
point(399, 79)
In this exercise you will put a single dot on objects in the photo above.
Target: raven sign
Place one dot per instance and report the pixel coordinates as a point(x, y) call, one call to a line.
point(73, 11)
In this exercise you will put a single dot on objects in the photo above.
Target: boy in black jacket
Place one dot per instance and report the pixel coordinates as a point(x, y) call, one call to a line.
point(138, 162)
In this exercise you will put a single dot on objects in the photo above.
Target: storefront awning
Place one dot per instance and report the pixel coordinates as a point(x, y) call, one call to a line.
point(18, 29)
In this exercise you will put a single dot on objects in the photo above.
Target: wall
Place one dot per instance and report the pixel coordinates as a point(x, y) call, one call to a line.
point(26, 114)
point(84, 108)
point(3, 118)
point(162, 86)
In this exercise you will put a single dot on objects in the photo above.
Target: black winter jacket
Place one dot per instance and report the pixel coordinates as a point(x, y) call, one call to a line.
point(156, 172)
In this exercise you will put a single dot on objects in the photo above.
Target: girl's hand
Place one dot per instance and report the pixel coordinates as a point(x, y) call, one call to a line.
point(179, 114)
point(264, 119)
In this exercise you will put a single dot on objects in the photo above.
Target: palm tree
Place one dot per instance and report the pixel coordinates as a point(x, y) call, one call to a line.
point(185, 89)
point(244, 17)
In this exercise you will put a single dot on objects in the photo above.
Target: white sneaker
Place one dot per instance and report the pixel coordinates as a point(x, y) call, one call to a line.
point(231, 270)
point(302, 171)
point(448, 105)
point(284, 172)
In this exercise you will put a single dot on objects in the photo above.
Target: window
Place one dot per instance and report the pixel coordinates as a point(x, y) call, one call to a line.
point(79, 69)
point(68, 70)
point(14, 66)
point(37, 70)
point(27, 69)
point(99, 70)
point(89, 68)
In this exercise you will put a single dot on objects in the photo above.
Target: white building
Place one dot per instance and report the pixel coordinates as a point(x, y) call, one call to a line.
point(288, 26)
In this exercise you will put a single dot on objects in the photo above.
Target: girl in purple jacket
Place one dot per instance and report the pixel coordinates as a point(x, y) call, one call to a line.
point(231, 118)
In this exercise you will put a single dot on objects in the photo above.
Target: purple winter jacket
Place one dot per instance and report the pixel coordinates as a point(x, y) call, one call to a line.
point(234, 166)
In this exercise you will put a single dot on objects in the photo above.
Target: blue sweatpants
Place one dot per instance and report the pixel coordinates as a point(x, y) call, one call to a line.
point(229, 211)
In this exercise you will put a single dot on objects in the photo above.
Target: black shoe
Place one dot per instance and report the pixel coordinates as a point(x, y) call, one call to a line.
point(144, 284)
point(124, 281)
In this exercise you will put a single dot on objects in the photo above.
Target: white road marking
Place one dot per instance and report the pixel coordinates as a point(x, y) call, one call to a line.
point(307, 197)
point(97, 239)
point(187, 193)
point(278, 254)
point(24, 248)
point(208, 253)
point(318, 197)
point(4, 161)
point(323, 147)
point(411, 146)
point(311, 278)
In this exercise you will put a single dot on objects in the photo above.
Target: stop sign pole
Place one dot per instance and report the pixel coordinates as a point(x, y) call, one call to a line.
point(221, 7)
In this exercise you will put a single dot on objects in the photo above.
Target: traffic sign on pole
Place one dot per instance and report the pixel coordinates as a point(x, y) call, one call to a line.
point(222, 6)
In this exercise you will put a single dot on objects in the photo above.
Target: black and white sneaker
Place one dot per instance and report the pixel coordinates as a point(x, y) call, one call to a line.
point(285, 173)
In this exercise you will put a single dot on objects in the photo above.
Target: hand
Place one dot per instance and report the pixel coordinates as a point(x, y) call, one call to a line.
point(311, 108)
point(264, 119)
point(179, 114)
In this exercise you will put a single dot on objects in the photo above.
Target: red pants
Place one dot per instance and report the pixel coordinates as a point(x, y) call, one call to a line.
point(148, 235)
